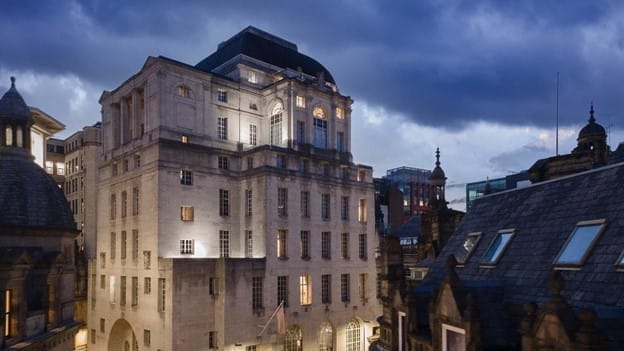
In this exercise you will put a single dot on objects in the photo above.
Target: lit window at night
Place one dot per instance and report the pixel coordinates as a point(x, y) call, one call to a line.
point(463, 253)
point(305, 289)
point(453, 339)
point(579, 243)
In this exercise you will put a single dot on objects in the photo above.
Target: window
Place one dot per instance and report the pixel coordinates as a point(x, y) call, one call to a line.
point(135, 201)
point(147, 285)
point(124, 204)
point(251, 348)
point(125, 165)
point(326, 337)
point(135, 291)
point(363, 247)
point(147, 259)
point(305, 204)
point(305, 290)
point(184, 139)
point(453, 338)
point(256, 292)
point(340, 142)
point(293, 340)
point(213, 286)
point(124, 244)
point(320, 133)
point(252, 77)
point(223, 162)
point(250, 163)
point(187, 247)
point(60, 168)
point(224, 203)
point(280, 161)
point(300, 136)
point(113, 206)
point(276, 125)
point(326, 288)
point(147, 337)
point(102, 325)
point(224, 243)
point(111, 288)
point(344, 207)
point(113, 245)
point(282, 289)
point(463, 253)
point(305, 244)
point(102, 281)
point(186, 213)
point(248, 203)
point(184, 91)
point(344, 173)
point(248, 244)
point(91, 336)
point(282, 201)
point(620, 260)
point(325, 206)
point(344, 245)
point(363, 286)
point(7, 312)
point(222, 128)
point(300, 101)
point(122, 291)
point(304, 165)
point(579, 243)
point(212, 339)
point(137, 161)
point(339, 113)
point(497, 247)
point(253, 134)
point(222, 95)
point(345, 293)
point(162, 294)
point(326, 245)
point(353, 336)
point(102, 260)
point(362, 211)
point(361, 175)
point(282, 245)
point(49, 167)
point(186, 177)
point(115, 169)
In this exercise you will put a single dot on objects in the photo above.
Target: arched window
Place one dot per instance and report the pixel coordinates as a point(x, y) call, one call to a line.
point(19, 135)
point(326, 337)
point(276, 124)
point(320, 127)
point(353, 336)
point(293, 340)
point(8, 136)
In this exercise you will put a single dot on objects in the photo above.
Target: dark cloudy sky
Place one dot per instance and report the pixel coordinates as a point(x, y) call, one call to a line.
point(475, 78)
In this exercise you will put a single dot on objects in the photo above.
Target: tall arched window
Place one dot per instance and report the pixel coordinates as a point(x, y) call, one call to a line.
point(326, 337)
point(276, 124)
point(293, 340)
point(8, 136)
point(320, 127)
point(353, 336)
point(19, 135)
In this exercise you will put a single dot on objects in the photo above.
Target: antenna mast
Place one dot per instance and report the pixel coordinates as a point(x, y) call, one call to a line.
point(557, 120)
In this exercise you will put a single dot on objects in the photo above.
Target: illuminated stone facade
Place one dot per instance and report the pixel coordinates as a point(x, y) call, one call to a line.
point(224, 189)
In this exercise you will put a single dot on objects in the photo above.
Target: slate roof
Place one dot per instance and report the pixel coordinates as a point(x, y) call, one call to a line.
point(543, 216)
point(12, 105)
point(409, 229)
point(266, 47)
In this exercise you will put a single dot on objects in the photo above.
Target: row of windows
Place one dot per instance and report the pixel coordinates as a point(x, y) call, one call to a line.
point(326, 240)
point(124, 204)
point(125, 165)
point(300, 101)
point(134, 291)
point(60, 167)
point(123, 244)
point(147, 255)
point(71, 186)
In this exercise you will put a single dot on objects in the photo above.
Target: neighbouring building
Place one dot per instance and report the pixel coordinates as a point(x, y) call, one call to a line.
point(481, 188)
point(388, 206)
point(38, 263)
point(227, 190)
point(415, 186)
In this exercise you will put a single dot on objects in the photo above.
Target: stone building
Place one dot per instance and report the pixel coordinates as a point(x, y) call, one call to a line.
point(226, 189)
point(37, 252)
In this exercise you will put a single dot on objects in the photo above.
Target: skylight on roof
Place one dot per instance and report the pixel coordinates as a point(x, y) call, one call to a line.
point(579, 243)
point(620, 260)
point(497, 247)
point(464, 251)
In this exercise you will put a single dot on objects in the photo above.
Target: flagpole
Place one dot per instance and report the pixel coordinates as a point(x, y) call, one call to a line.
point(270, 319)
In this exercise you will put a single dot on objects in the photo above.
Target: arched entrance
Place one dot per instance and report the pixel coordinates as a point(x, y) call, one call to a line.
point(122, 337)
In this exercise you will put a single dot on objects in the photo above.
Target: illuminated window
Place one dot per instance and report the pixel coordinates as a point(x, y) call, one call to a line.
point(248, 244)
point(305, 244)
point(344, 207)
point(223, 162)
point(124, 204)
point(463, 253)
point(579, 243)
point(113, 206)
point(184, 139)
point(326, 288)
point(135, 201)
point(345, 287)
point(162, 294)
point(113, 245)
point(122, 291)
point(276, 125)
point(252, 77)
point(186, 177)
point(184, 91)
point(362, 210)
point(361, 175)
point(253, 134)
point(124, 244)
point(248, 203)
point(293, 340)
point(111, 289)
point(224, 243)
point(49, 166)
point(187, 213)
point(300, 101)
point(305, 289)
point(282, 201)
point(187, 246)
point(222, 95)
point(326, 337)
point(282, 245)
point(224, 203)
point(340, 113)
point(353, 336)
point(251, 348)
point(497, 247)
point(135, 291)
point(344, 245)
point(222, 128)
point(363, 286)
point(256, 292)
point(453, 338)
point(7, 312)
point(326, 245)
point(363, 246)
point(282, 289)
point(8, 134)
point(147, 285)
point(305, 204)
point(325, 202)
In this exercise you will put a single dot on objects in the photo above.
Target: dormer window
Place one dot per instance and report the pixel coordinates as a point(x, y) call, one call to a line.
point(184, 91)
point(497, 247)
point(463, 253)
point(579, 244)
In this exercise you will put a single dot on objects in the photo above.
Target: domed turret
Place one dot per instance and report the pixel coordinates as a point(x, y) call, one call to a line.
point(438, 180)
point(593, 139)
point(15, 120)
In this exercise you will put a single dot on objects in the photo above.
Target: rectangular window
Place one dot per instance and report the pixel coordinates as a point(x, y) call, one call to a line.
point(137, 161)
point(102, 281)
point(223, 162)
point(113, 206)
point(122, 291)
point(305, 244)
point(184, 139)
point(282, 289)
point(280, 161)
point(113, 245)
point(300, 101)
point(91, 336)
point(363, 286)
point(186, 177)
point(340, 113)
point(7, 312)
point(276, 129)
point(124, 244)
point(361, 176)
point(135, 291)
point(304, 165)
point(126, 165)
point(147, 337)
point(212, 339)
point(344, 245)
point(340, 142)
point(305, 204)
point(224, 203)
point(135, 201)
point(248, 203)
point(49, 167)
point(102, 260)
point(222, 95)
point(300, 136)
point(224, 243)
point(320, 133)
point(326, 245)
point(115, 169)
point(282, 245)
point(253, 134)
point(162, 294)
point(186, 213)
point(326, 288)
point(147, 259)
point(497, 247)
point(222, 128)
point(256, 292)
point(344, 207)
point(135, 244)
point(325, 206)
point(187, 247)
point(453, 338)
point(344, 173)
point(250, 163)
point(362, 211)
point(111, 288)
point(579, 244)
point(282, 201)
point(248, 244)
point(102, 325)
point(124, 204)
point(251, 348)
point(345, 293)
point(463, 253)
point(252, 77)
point(60, 168)
point(213, 286)
point(363, 247)
point(147, 285)
point(305, 289)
